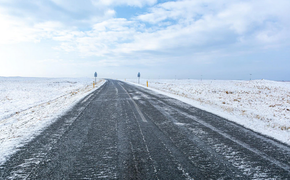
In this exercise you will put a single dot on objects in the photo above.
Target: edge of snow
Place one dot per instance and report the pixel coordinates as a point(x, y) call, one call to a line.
point(21, 128)
point(251, 124)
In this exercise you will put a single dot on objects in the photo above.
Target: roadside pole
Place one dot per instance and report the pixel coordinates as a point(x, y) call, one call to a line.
point(138, 75)
point(95, 82)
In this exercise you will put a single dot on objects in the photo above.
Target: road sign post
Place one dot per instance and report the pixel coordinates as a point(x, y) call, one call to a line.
point(138, 75)
point(95, 78)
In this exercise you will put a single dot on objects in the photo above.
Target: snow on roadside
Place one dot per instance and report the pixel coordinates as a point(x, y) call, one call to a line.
point(260, 105)
point(28, 105)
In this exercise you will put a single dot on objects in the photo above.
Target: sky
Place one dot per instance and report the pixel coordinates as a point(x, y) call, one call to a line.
point(194, 39)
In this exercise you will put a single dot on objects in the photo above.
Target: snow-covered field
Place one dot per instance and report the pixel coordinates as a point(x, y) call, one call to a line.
point(260, 105)
point(28, 105)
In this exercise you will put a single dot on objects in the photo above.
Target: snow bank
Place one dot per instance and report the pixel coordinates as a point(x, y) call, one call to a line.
point(260, 105)
point(28, 105)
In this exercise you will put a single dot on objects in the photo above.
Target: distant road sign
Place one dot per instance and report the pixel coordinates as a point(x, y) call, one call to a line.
point(96, 74)
point(138, 75)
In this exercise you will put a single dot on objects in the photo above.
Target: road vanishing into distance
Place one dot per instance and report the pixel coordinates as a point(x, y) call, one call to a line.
point(123, 131)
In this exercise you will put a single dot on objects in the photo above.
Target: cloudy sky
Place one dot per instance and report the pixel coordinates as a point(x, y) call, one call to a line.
point(161, 39)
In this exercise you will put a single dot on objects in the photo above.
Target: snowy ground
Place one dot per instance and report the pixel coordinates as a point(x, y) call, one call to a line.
point(28, 105)
point(260, 105)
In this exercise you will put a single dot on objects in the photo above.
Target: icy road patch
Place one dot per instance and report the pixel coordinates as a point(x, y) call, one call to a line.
point(260, 105)
point(28, 105)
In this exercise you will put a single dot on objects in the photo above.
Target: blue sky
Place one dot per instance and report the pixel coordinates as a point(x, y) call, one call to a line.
point(161, 39)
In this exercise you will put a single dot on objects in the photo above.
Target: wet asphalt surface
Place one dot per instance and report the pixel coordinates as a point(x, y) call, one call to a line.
point(121, 131)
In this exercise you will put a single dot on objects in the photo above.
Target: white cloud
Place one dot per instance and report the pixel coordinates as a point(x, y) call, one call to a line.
point(14, 31)
point(137, 3)
point(197, 30)
point(247, 19)
point(178, 28)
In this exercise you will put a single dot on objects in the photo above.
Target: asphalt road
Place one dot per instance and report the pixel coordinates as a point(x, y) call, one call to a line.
point(123, 131)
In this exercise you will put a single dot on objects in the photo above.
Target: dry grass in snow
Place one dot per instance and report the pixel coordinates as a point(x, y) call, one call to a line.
point(28, 105)
point(261, 105)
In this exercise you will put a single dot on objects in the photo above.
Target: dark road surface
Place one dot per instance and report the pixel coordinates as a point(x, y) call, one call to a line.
point(121, 131)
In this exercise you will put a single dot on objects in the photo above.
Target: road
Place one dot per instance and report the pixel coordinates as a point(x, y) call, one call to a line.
point(122, 131)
